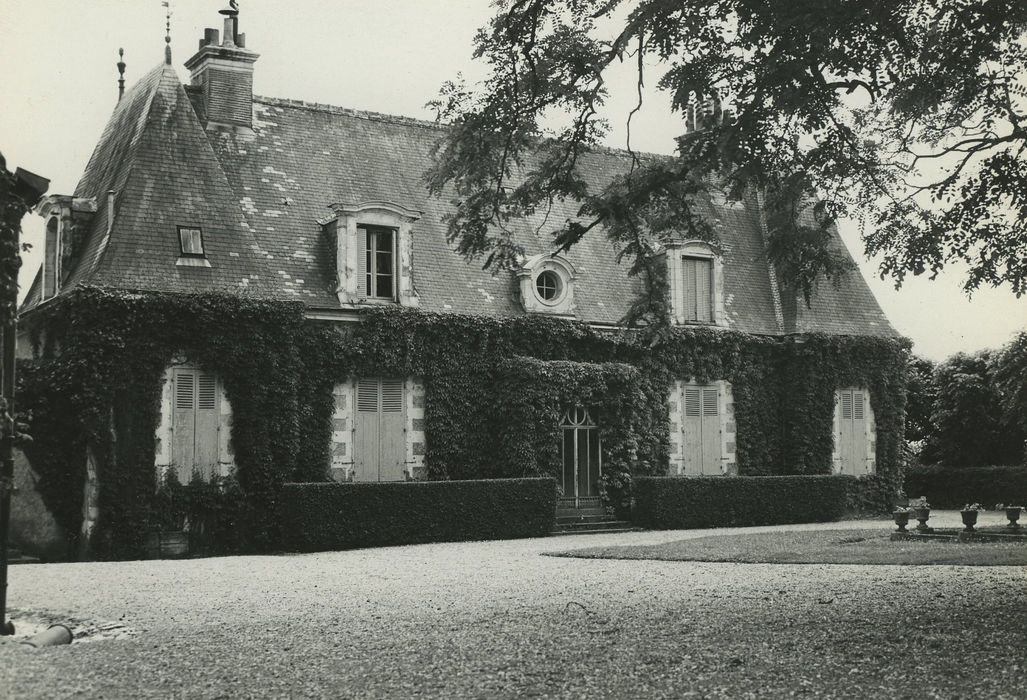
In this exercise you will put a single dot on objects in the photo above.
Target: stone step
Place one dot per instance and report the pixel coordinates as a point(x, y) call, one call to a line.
point(594, 525)
point(608, 531)
point(570, 519)
point(578, 512)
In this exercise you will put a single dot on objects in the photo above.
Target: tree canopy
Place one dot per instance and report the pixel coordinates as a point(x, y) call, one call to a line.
point(910, 115)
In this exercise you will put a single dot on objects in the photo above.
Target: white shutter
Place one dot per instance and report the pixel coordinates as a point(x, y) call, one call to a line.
point(688, 268)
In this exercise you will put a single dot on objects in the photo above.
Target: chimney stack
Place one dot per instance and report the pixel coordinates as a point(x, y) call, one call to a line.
point(223, 74)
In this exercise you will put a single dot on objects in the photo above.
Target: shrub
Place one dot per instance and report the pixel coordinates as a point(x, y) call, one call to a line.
point(951, 487)
point(326, 516)
point(699, 502)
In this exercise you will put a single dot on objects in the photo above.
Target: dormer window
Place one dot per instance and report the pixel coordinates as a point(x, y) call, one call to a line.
point(547, 285)
point(695, 272)
point(373, 249)
point(192, 253)
point(191, 240)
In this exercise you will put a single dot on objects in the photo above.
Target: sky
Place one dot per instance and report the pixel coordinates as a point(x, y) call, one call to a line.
point(57, 59)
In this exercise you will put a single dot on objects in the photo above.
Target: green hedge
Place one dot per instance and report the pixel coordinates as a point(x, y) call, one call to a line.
point(700, 502)
point(319, 516)
point(948, 487)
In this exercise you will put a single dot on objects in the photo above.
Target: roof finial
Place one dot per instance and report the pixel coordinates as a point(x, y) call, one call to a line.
point(167, 32)
point(121, 73)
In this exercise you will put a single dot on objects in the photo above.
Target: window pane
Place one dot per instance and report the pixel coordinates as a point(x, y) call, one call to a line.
point(568, 463)
point(191, 240)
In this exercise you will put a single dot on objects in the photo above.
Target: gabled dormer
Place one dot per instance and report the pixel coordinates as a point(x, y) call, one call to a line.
point(373, 253)
point(695, 276)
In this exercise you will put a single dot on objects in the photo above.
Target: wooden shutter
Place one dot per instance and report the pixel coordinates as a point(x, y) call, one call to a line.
point(700, 426)
point(704, 290)
point(688, 285)
point(710, 430)
point(207, 422)
point(391, 432)
point(852, 437)
point(365, 443)
point(691, 424)
point(183, 423)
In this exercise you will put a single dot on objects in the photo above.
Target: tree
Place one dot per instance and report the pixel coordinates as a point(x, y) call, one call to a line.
point(920, 395)
point(911, 114)
point(969, 426)
point(1009, 369)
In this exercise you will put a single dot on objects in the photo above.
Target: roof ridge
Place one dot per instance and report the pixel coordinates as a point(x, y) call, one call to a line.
point(424, 123)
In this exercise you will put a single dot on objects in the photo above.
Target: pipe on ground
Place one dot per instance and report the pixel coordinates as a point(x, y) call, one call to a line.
point(54, 635)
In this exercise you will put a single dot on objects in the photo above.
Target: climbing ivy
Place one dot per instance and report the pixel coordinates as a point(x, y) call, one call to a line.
point(495, 391)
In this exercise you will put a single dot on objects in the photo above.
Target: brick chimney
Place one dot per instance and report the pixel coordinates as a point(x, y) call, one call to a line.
point(223, 75)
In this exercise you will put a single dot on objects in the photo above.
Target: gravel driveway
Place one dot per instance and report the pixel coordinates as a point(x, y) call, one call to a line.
point(496, 619)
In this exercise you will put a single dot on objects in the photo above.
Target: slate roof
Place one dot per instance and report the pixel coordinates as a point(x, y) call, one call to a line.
point(259, 196)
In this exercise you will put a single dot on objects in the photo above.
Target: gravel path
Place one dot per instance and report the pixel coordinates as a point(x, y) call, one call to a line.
point(495, 619)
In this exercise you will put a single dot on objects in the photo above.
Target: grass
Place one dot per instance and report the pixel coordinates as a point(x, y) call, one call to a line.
point(816, 547)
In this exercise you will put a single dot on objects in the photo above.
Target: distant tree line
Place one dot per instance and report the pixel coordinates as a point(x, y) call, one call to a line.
point(971, 409)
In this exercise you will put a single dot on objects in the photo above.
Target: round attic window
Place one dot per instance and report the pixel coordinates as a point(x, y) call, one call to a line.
point(549, 287)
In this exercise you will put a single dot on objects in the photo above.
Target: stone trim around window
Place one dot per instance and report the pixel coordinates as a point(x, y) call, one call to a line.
point(728, 429)
point(347, 218)
point(551, 267)
point(675, 253)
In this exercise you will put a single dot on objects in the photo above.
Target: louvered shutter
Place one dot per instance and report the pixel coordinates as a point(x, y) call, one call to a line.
point(688, 285)
point(704, 290)
point(710, 431)
point(183, 423)
point(691, 425)
point(365, 443)
point(207, 419)
point(364, 288)
point(391, 433)
point(852, 438)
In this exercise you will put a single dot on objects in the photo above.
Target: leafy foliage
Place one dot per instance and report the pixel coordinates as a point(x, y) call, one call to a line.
point(909, 114)
point(969, 429)
point(319, 517)
point(951, 487)
point(701, 502)
point(495, 391)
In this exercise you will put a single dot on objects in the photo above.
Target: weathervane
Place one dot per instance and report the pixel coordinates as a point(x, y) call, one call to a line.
point(167, 31)
point(232, 15)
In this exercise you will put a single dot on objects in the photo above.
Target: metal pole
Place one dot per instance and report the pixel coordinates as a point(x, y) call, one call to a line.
point(7, 463)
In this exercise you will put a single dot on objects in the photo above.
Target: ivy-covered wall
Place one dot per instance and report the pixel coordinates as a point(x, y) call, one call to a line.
point(495, 391)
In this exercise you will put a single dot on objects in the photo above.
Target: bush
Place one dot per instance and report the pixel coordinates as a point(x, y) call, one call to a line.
point(952, 487)
point(327, 516)
point(700, 502)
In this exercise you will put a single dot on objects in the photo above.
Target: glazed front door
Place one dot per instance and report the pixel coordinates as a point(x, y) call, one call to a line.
point(581, 458)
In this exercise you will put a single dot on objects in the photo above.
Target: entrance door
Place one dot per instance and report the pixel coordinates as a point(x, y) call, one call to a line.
point(581, 457)
point(379, 440)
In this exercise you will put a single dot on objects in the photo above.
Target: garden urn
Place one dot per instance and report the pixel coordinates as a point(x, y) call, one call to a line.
point(922, 515)
point(1013, 514)
point(969, 519)
point(901, 519)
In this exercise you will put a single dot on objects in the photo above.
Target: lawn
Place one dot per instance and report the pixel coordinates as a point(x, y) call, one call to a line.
point(815, 547)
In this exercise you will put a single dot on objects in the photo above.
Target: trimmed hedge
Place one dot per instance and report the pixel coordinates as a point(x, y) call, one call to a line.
point(319, 516)
point(948, 487)
point(668, 503)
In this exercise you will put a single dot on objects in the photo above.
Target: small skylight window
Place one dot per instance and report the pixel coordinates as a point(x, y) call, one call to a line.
point(191, 240)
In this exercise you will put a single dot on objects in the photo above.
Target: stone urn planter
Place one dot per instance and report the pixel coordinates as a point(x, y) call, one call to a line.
point(1013, 514)
point(901, 519)
point(969, 519)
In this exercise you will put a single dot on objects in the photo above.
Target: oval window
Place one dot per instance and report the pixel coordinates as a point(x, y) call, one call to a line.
point(548, 286)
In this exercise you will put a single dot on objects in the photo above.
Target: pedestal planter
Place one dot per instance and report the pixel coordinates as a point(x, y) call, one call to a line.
point(1014, 514)
point(969, 519)
point(922, 516)
point(901, 519)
